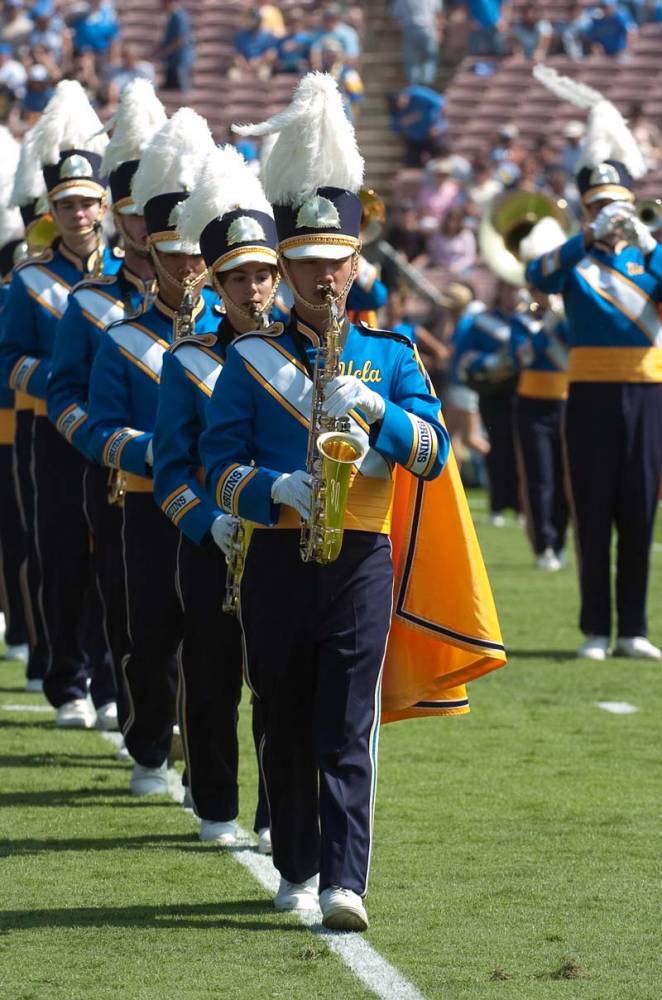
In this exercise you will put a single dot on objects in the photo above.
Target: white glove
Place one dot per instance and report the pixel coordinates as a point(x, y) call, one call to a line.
point(640, 236)
point(221, 531)
point(293, 489)
point(149, 453)
point(346, 392)
point(611, 218)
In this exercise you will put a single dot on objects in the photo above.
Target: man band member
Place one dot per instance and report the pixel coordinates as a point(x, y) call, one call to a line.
point(123, 400)
point(539, 345)
point(315, 635)
point(610, 276)
point(12, 540)
point(37, 299)
point(93, 305)
point(230, 217)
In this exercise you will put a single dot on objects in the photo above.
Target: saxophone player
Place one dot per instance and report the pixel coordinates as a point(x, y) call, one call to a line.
point(315, 635)
point(123, 399)
point(230, 217)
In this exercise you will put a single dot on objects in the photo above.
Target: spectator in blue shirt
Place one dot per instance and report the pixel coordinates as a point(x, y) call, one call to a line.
point(255, 49)
point(333, 28)
point(417, 114)
point(487, 37)
point(177, 49)
point(49, 31)
point(38, 92)
point(610, 29)
point(96, 30)
point(293, 49)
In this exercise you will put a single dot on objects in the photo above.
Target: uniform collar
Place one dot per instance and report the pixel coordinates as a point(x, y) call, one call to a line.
point(170, 314)
point(86, 265)
point(144, 287)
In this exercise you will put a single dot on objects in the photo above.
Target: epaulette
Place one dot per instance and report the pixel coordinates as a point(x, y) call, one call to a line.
point(45, 257)
point(118, 253)
point(274, 330)
point(199, 339)
point(374, 332)
point(102, 279)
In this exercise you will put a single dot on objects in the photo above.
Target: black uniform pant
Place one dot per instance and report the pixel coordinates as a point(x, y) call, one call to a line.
point(68, 601)
point(538, 425)
point(12, 552)
point(209, 691)
point(315, 638)
point(154, 620)
point(30, 577)
point(496, 412)
point(105, 526)
point(613, 436)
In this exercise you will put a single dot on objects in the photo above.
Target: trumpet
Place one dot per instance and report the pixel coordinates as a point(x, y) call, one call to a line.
point(649, 211)
point(333, 452)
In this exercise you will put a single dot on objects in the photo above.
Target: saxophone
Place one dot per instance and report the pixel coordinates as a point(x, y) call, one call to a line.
point(241, 538)
point(332, 454)
point(116, 487)
point(184, 325)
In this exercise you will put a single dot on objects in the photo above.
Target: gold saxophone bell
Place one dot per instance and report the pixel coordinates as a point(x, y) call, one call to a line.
point(339, 452)
point(241, 539)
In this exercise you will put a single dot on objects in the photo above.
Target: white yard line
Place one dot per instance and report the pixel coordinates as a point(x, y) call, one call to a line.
point(617, 707)
point(361, 958)
point(27, 708)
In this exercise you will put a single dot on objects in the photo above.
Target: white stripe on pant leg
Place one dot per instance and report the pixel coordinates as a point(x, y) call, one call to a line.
point(37, 548)
point(125, 659)
point(353, 950)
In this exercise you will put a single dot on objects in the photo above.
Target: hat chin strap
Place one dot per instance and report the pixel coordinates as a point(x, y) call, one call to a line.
point(140, 249)
point(315, 306)
point(166, 280)
point(259, 315)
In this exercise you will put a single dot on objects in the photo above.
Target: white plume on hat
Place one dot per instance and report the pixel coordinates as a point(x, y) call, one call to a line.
point(140, 114)
point(545, 236)
point(607, 134)
point(172, 160)
point(69, 122)
point(225, 183)
point(266, 148)
point(316, 146)
point(11, 223)
point(29, 181)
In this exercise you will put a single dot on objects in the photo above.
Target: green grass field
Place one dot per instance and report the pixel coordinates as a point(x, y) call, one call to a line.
point(516, 855)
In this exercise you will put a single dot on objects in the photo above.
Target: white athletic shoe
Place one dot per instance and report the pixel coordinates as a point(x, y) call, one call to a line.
point(122, 752)
point(595, 647)
point(498, 520)
point(149, 780)
point(549, 561)
point(187, 801)
point(297, 895)
point(34, 685)
point(20, 652)
point(264, 841)
point(107, 718)
point(343, 910)
point(76, 714)
point(223, 834)
point(177, 746)
point(638, 647)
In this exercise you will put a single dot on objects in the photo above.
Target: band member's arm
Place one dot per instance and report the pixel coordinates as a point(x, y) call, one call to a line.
point(177, 489)
point(367, 292)
point(227, 448)
point(111, 442)
point(411, 432)
point(70, 373)
point(550, 272)
point(21, 367)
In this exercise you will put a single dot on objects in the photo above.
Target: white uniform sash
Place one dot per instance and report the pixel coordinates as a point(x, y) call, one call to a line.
point(203, 367)
point(47, 288)
point(100, 308)
point(142, 347)
point(624, 294)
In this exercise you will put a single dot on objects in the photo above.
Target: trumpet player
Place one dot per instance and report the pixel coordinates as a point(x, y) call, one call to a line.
point(230, 217)
point(123, 399)
point(610, 277)
point(315, 635)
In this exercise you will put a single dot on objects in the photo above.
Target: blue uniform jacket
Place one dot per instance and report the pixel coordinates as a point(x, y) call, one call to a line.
point(38, 297)
point(611, 300)
point(539, 343)
point(190, 370)
point(260, 408)
point(479, 335)
point(6, 395)
point(124, 384)
point(93, 305)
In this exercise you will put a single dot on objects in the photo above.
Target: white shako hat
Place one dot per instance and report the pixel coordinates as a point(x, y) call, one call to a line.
point(167, 174)
point(68, 142)
point(139, 116)
point(610, 159)
point(228, 214)
point(11, 222)
point(314, 172)
point(544, 237)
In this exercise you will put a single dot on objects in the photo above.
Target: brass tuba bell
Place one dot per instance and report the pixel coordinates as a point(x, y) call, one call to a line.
point(508, 219)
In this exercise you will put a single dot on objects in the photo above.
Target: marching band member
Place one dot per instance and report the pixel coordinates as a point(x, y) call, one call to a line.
point(37, 299)
point(315, 635)
point(93, 305)
point(12, 540)
point(123, 398)
point(610, 277)
point(539, 345)
point(482, 360)
point(230, 217)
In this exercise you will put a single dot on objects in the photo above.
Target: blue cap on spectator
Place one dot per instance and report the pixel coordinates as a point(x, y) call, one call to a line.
point(44, 8)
